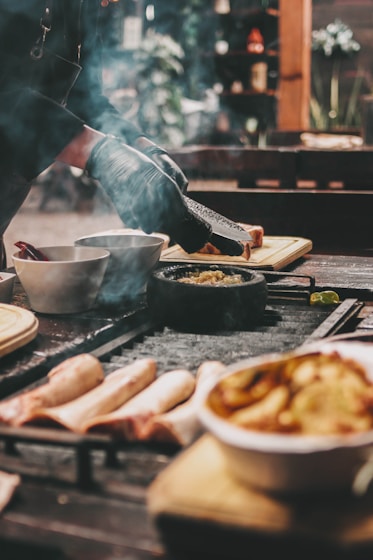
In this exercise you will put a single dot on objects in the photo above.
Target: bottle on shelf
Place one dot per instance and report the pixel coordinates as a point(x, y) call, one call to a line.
point(255, 41)
point(258, 77)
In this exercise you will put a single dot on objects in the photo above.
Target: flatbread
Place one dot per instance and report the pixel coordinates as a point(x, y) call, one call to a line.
point(8, 485)
point(18, 326)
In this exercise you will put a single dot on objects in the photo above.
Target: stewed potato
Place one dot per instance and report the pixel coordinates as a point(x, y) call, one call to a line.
point(211, 277)
point(314, 393)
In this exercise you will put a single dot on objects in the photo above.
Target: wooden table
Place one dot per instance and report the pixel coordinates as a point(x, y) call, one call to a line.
point(203, 512)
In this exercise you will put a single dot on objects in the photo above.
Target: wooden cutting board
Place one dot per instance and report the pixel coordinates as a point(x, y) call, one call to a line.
point(18, 326)
point(197, 506)
point(275, 254)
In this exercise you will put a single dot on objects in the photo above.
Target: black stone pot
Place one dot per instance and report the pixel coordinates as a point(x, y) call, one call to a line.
point(201, 307)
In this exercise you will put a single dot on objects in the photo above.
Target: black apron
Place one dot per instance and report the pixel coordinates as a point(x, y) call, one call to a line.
point(51, 75)
point(14, 190)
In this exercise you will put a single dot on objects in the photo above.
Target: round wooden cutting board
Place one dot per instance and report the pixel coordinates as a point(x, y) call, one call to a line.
point(18, 326)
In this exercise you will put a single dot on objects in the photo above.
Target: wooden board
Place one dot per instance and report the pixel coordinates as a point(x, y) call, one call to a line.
point(197, 505)
point(275, 254)
point(18, 326)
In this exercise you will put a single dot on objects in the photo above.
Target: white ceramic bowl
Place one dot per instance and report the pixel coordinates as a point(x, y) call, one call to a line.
point(6, 286)
point(68, 283)
point(131, 231)
point(133, 256)
point(293, 464)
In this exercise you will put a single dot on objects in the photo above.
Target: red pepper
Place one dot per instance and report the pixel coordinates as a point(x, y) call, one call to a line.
point(28, 251)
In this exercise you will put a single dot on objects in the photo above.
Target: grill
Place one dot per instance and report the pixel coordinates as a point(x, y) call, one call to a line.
point(73, 484)
point(285, 326)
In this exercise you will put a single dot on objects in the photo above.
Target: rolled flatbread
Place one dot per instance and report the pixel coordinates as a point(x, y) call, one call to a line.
point(180, 425)
point(128, 421)
point(117, 388)
point(8, 485)
point(68, 380)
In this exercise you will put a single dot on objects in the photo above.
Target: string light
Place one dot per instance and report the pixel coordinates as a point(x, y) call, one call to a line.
point(105, 3)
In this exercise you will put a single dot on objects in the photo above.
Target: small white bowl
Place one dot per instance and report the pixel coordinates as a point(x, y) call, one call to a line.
point(68, 283)
point(286, 463)
point(6, 286)
point(133, 256)
point(131, 231)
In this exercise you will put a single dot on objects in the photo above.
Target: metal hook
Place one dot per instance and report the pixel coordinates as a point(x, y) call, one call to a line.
point(37, 50)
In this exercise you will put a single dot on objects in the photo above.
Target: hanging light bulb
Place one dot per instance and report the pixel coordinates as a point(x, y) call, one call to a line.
point(105, 3)
point(222, 6)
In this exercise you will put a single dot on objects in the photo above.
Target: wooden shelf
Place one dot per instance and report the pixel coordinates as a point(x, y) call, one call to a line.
point(244, 54)
point(289, 63)
point(237, 65)
point(252, 13)
point(250, 93)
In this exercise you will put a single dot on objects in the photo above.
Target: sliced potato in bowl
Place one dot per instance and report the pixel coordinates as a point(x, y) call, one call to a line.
point(295, 422)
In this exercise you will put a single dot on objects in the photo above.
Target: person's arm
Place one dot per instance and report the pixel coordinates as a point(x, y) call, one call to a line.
point(33, 131)
point(79, 149)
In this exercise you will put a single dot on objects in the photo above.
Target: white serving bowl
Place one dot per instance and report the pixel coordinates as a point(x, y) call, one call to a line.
point(6, 286)
point(68, 283)
point(293, 464)
point(133, 256)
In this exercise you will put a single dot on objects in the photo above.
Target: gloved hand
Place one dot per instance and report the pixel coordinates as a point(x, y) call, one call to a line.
point(144, 195)
point(163, 160)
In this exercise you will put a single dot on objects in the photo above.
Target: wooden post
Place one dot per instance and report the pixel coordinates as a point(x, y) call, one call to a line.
point(295, 29)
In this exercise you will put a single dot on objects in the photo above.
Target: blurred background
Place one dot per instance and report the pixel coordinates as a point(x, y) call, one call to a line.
point(218, 73)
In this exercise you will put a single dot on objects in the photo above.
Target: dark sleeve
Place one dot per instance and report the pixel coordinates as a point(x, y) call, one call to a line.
point(33, 131)
point(33, 127)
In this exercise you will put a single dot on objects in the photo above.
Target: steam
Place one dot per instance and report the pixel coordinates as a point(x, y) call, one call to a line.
point(132, 259)
point(34, 127)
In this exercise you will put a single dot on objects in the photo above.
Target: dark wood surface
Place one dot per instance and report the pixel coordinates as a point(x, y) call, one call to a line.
point(61, 336)
point(245, 164)
point(214, 515)
point(350, 275)
point(289, 165)
point(337, 222)
point(324, 195)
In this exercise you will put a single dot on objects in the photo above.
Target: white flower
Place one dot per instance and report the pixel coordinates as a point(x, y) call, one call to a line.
point(336, 39)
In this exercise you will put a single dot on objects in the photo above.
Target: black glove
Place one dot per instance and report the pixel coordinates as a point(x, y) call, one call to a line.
point(144, 196)
point(163, 160)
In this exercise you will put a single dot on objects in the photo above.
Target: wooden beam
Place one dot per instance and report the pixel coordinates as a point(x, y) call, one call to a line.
point(295, 30)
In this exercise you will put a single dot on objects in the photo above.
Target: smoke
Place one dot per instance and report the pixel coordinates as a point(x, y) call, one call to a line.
point(132, 259)
point(38, 119)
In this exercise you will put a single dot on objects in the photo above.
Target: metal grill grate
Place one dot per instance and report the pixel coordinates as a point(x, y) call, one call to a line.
point(285, 326)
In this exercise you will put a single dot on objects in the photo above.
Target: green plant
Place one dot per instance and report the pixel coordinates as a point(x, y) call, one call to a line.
point(159, 66)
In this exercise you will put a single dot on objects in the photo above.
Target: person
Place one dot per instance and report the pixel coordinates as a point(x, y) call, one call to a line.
point(52, 108)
